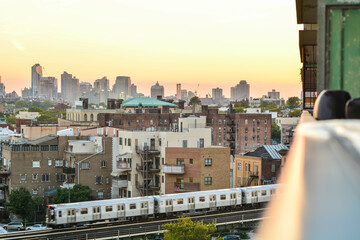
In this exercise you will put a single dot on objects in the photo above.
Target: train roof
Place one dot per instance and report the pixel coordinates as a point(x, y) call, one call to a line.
point(260, 188)
point(198, 193)
point(101, 202)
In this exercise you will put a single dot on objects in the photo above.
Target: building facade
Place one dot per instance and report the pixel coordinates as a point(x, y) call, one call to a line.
point(122, 86)
point(36, 74)
point(48, 88)
point(240, 92)
point(157, 90)
point(69, 87)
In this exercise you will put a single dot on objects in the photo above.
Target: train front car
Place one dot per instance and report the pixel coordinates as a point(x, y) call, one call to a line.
point(258, 194)
point(50, 216)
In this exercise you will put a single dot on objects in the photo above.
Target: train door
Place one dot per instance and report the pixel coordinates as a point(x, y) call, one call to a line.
point(233, 199)
point(254, 197)
point(96, 214)
point(120, 210)
point(144, 208)
point(71, 217)
point(212, 201)
point(168, 205)
point(191, 201)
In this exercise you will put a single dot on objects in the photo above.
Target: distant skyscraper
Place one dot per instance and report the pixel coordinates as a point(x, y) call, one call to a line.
point(85, 87)
point(36, 74)
point(157, 90)
point(217, 94)
point(102, 84)
point(184, 94)
point(2, 89)
point(122, 86)
point(48, 88)
point(26, 93)
point(133, 91)
point(241, 91)
point(191, 94)
point(274, 95)
point(69, 87)
point(178, 91)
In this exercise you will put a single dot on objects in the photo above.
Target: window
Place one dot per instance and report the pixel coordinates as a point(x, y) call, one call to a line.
point(60, 214)
point(83, 210)
point(191, 161)
point(44, 147)
point(265, 130)
point(129, 142)
point(263, 193)
point(184, 143)
point(34, 176)
point(273, 168)
point(219, 121)
point(98, 180)
point(239, 166)
point(60, 178)
point(23, 177)
point(103, 164)
point(201, 199)
point(132, 206)
point(120, 141)
point(180, 201)
point(208, 162)
point(34, 191)
point(108, 208)
point(107, 180)
point(162, 179)
point(85, 165)
point(45, 178)
point(219, 129)
point(36, 164)
point(59, 163)
point(246, 137)
point(249, 167)
point(144, 205)
point(246, 129)
point(265, 121)
point(223, 197)
point(49, 162)
point(201, 143)
point(100, 195)
point(246, 166)
point(180, 162)
point(53, 147)
point(208, 180)
point(160, 142)
point(246, 121)
point(191, 179)
point(151, 122)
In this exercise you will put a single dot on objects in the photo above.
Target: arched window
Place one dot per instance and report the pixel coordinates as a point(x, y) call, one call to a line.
point(85, 117)
point(91, 117)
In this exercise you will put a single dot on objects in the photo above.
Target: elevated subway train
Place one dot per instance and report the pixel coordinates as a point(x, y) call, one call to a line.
point(69, 214)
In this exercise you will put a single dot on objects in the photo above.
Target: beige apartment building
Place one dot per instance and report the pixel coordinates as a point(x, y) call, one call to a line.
point(140, 165)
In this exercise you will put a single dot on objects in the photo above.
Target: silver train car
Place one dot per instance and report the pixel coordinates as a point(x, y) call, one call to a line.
point(79, 213)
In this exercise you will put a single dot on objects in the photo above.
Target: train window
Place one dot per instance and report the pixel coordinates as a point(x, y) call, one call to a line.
point(263, 193)
point(144, 205)
point(122, 207)
point(73, 212)
point(180, 201)
point(69, 212)
point(108, 208)
point(202, 199)
point(132, 206)
point(59, 213)
point(83, 210)
point(223, 197)
point(212, 198)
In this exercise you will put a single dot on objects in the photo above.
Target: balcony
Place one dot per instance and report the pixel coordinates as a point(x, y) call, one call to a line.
point(150, 187)
point(68, 170)
point(146, 149)
point(140, 168)
point(120, 183)
point(4, 170)
point(186, 187)
point(174, 169)
point(121, 165)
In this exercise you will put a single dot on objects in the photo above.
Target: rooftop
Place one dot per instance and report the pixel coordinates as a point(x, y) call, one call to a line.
point(146, 102)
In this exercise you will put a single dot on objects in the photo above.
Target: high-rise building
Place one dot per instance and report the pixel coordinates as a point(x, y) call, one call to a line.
point(48, 88)
point(217, 94)
point(122, 86)
point(178, 91)
point(274, 95)
point(26, 93)
point(157, 90)
point(69, 87)
point(85, 87)
point(241, 91)
point(133, 91)
point(2, 89)
point(36, 74)
point(102, 84)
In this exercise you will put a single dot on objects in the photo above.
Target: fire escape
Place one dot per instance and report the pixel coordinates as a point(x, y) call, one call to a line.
point(147, 186)
point(252, 176)
point(231, 134)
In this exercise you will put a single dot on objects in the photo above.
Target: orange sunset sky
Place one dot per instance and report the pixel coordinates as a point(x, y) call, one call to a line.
point(205, 42)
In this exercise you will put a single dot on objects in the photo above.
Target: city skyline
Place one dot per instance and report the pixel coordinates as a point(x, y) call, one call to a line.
point(170, 42)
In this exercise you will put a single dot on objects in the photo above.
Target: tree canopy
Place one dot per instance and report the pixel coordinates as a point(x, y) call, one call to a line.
point(185, 229)
point(293, 102)
point(21, 203)
point(78, 193)
point(275, 132)
point(194, 101)
point(295, 113)
point(35, 109)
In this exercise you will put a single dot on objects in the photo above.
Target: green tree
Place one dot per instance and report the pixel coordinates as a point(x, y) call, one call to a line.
point(293, 102)
point(185, 229)
point(45, 105)
point(35, 109)
point(243, 104)
point(295, 113)
point(194, 101)
point(21, 104)
point(275, 132)
point(11, 120)
point(78, 193)
point(21, 203)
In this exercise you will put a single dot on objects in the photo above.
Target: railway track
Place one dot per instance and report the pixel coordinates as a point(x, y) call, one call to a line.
point(114, 229)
